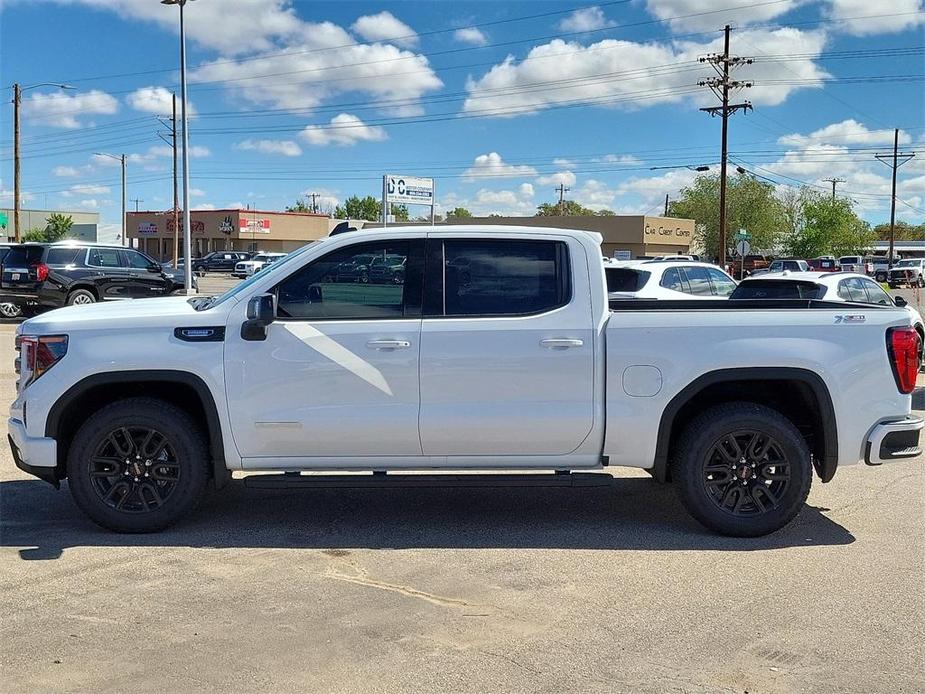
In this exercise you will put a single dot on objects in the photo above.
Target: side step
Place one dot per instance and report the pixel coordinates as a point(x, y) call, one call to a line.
point(381, 479)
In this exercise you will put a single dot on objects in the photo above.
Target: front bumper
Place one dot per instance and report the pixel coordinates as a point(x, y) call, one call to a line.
point(892, 441)
point(36, 455)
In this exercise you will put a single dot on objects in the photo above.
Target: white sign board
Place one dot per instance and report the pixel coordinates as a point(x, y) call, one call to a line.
point(622, 255)
point(409, 190)
point(743, 247)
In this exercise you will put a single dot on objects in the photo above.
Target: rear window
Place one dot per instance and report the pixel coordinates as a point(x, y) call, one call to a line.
point(63, 256)
point(23, 256)
point(624, 279)
point(777, 289)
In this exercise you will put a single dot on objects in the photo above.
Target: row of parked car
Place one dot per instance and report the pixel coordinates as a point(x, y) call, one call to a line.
point(908, 272)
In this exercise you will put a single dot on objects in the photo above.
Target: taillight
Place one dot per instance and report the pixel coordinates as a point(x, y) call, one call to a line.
point(37, 354)
point(41, 272)
point(903, 347)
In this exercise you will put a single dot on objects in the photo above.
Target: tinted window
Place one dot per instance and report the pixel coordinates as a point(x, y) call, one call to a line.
point(104, 257)
point(321, 290)
point(624, 279)
point(63, 256)
point(777, 289)
point(23, 256)
point(672, 279)
point(139, 261)
point(492, 278)
point(722, 285)
point(852, 290)
point(698, 280)
point(875, 293)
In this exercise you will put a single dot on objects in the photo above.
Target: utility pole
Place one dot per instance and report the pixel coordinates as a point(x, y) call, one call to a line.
point(666, 204)
point(136, 201)
point(17, 97)
point(562, 191)
point(893, 161)
point(721, 86)
point(834, 182)
point(313, 196)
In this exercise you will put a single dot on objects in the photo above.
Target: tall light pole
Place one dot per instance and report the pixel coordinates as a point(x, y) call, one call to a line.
point(119, 158)
point(187, 234)
point(17, 100)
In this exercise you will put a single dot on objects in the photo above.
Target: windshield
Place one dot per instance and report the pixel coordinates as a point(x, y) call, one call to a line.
point(203, 303)
point(908, 263)
point(620, 279)
point(777, 289)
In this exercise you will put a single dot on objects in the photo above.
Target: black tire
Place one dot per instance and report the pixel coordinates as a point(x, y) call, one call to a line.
point(768, 501)
point(81, 297)
point(121, 500)
point(893, 285)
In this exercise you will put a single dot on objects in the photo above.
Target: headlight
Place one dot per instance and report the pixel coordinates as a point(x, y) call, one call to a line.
point(37, 354)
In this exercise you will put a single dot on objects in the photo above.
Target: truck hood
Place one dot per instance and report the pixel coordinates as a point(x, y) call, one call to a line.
point(170, 311)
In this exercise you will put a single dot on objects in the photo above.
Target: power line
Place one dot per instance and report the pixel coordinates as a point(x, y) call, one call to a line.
point(834, 182)
point(894, 162)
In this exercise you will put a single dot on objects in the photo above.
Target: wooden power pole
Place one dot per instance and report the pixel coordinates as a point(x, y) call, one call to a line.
point(893, 161)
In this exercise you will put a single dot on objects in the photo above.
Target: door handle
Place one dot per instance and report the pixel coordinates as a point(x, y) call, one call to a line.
point(561, 342)
point(388, 344)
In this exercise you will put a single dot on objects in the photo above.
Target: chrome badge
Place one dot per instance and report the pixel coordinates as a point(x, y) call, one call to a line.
point(851, 318)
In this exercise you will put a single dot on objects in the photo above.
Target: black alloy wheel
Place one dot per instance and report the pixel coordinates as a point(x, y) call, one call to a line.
point(134, 469)
point(746, 473)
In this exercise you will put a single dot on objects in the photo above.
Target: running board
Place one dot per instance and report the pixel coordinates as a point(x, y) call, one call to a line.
point(380, 479)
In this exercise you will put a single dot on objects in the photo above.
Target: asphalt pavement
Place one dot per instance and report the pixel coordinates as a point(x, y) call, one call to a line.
point(605, 589)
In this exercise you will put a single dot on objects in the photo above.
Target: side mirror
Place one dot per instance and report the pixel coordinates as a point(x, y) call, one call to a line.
point(154, 268)
point(899, 301)
point(261, 312)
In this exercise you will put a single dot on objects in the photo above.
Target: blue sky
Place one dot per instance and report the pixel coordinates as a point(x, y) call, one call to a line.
point(499, 101)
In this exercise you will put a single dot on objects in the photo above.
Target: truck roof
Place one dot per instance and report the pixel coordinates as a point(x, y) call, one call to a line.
point(487, 229)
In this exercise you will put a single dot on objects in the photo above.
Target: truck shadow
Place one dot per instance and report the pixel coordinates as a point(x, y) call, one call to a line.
point(634, 514)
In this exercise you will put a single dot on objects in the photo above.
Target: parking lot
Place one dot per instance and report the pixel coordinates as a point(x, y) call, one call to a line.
point(610, 588)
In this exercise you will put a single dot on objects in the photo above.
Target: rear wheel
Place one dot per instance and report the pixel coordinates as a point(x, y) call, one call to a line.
point(80, 297)
point(742, 469)
point(138, 465)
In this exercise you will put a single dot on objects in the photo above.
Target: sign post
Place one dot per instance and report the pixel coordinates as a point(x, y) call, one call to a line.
point(408, 190)
point(742, 248)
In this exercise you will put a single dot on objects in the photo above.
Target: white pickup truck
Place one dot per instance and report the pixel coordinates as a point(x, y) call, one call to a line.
point(495, 350)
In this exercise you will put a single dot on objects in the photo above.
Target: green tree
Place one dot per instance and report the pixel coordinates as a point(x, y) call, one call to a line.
point(400, 212)
point(750, 204)
point(300, 205)
point(58, 226)
point(355, 207)
point(34, 234)
point(605, 213)
point(459, 213)
point(904, 232)
point(569, 208)
point(830, 227)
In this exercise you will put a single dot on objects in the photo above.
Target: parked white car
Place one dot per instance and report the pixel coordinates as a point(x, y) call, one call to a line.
point(246, 268)
point(497, 351)
point(909, 271)
point(664, 279)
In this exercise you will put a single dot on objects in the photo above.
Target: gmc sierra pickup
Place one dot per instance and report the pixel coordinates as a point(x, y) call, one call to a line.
point(496, 349)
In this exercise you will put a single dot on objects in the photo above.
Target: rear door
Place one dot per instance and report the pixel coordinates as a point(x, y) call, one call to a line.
point(109, 273)
point(506, 348)
point(18, 271)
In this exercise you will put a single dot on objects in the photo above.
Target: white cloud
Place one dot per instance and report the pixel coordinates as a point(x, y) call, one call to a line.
point(509, 203)
point(385, 27)
point(86, 189)
point(653, 188)
point(235, 206)
point(203, 206)
point(614, 73)
point(562, 177)
point(846, 132)
point(564, 163)
point(492, 166)
point(62, 109)
point(156, 100)
point(92, 203)
point(627, 159)
point(71, 171)
point(711, 14)
point(344, 130)
point(903, 15)
point(197, 193)
point(470, 35)
point(585, 19)
point(595, 195)
point(287, 148)
point(526, 190)
point(325, 199)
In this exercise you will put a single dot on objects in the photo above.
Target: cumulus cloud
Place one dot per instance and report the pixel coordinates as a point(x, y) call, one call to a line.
point(156, 100)
point(86, 189)
point(470, 35)
point(71, 171)
point(903, 15)
point(509, 203)
point(287, 148)
point(710, 14)
point(595, 195)
point(653, 188)
point(561, 177)
point(846, 132)
point(62, 109)
point(492, 166)
point(203, 206)
point(343, 130)
point(615, 73)
point(585, 19)
point(385, 27)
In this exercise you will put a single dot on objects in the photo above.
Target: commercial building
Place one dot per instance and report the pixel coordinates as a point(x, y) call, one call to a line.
point(85, 223)
point(224, 230)
point(625, 236)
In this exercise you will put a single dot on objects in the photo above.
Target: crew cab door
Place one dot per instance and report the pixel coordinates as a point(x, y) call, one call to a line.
point(145, 276)
point(507, 348)
point(337, 375)
point(109, 273)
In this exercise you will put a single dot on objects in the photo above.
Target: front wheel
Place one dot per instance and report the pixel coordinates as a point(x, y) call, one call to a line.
point(880, 277)
point(742, 469)
point(138, 465)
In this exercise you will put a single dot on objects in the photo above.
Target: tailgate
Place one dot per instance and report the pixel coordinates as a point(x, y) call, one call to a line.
point(18, 270)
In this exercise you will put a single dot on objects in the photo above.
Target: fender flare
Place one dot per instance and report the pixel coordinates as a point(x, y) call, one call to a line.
point(825, 466)
point(220, 472)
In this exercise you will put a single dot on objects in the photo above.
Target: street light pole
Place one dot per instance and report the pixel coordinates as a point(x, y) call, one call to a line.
point(17, 100)
point(187, 233)
point(120, 158)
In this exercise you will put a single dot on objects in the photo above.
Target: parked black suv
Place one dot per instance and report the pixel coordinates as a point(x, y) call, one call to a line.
point(219, 261)
point(54, 275)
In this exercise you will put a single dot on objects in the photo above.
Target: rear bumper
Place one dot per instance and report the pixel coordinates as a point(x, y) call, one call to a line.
point(19, 298)
point(892, 441)
point(35, 455)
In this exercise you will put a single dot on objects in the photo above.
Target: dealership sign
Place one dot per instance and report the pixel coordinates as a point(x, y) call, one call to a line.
point(409, 190)
point(147, 228)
